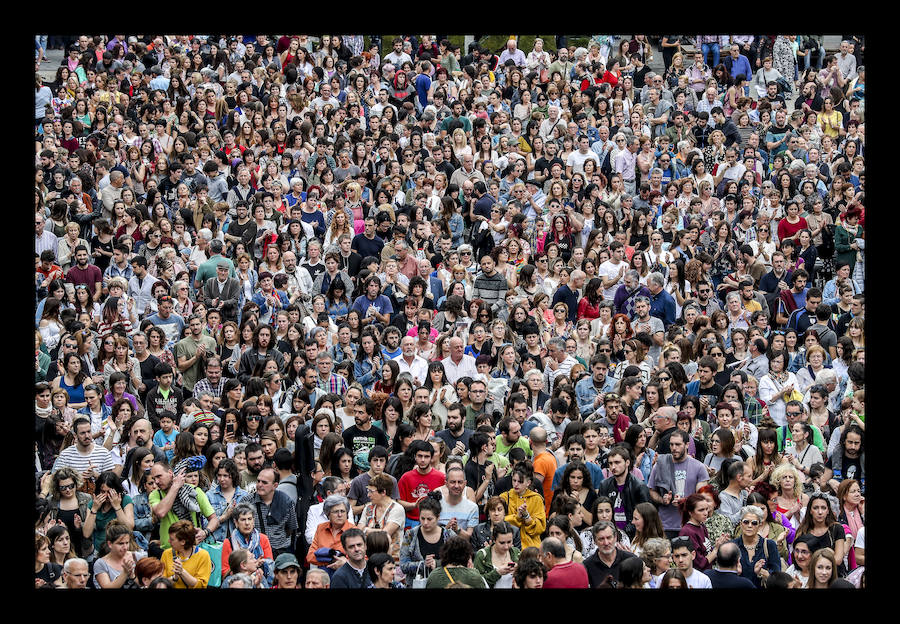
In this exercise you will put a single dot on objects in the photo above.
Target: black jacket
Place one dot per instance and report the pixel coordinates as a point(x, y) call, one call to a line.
point(728, 580)
point(635, 492)
point(597, 570)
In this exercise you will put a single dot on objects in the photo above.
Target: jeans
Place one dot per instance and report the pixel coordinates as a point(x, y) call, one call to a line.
point(705, 48)
point(820, 58)
point(630, 187)
point(41, 41)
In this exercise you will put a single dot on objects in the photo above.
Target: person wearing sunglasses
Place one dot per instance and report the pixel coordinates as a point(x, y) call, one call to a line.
point(759, 556)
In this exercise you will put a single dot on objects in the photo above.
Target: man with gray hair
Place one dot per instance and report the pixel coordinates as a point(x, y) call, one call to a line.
point(625, 163)
point(662, 305)
point(75, 573)
point(559, 362)
point(644, 322)
point(628, 292)
point(562, 572)
point(207, 269)
point(569, 294)
point(846, 61)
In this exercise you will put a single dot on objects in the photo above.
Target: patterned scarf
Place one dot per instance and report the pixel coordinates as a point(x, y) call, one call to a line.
point(186, 501)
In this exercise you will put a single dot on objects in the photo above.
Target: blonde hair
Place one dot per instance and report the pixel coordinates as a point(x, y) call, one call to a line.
point(779, 472)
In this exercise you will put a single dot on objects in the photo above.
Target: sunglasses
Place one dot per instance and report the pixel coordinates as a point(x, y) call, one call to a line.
point(750, 522)
point(254, 417)
point(64, 488)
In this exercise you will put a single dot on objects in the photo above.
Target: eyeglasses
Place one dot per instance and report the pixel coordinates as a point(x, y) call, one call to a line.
point(465, 253)
point(717, 354)
point(664, 378)
point(254, 417)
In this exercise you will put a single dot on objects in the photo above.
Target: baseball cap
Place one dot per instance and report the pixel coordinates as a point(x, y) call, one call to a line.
point(286, 560)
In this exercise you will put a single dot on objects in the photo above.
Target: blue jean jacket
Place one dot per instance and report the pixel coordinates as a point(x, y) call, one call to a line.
point(366, 373)
point(219, 505)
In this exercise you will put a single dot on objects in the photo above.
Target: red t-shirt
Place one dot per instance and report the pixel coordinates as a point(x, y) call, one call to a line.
point(413, 485)
point(90, 275)
point(787, 230)
point(567, 575)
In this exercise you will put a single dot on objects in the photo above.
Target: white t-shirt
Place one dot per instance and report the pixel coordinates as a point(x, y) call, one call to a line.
point(576, 160)
point(608, 270)
point(697, 580)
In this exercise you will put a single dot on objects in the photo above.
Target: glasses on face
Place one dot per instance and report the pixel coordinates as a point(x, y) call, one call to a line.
point(664, 378)
point(66, 488)
point(253, 417)
point(750, 522)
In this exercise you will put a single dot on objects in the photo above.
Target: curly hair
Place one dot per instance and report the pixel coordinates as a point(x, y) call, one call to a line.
point(780, 471)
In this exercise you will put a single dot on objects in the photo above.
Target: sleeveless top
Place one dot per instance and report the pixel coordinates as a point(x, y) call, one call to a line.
point(76, 393)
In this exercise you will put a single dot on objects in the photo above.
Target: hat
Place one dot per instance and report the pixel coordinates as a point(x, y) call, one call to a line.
point(286, 560)
point(206, 418)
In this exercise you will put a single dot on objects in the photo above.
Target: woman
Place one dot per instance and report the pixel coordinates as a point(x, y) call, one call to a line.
point(224, 496)
point(823, 570)
point(791, 498)
point(109, 502)
point(759, 556)
point(821, 523)
point(115, 570)
point(186, 564)
point(367, 367)
point(802, 453)
point(647, 526)
point(245, 536)
point(778, 386)
point(526, 507)
point(421, 419)
point(852, 506)
point(576, 483)
point(767, 457)
point(442, 395)
point(122, 362)
point(496, 561)
point(721, 444)
point(657, 556)
point(645, 457)
point(422, 544)
point(72, 381)
point(456, 557)
point(382, 513)
point(815, 362)
point(495, 510)
point(69, 506)
point(695, 511)
point(322, 425)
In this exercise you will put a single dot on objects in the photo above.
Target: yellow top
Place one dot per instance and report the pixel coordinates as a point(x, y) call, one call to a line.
point(197, 565)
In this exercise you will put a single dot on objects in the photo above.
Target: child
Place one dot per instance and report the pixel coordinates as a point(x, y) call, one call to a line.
point(164, 439)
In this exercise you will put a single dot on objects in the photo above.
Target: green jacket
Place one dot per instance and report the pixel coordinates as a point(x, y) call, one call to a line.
point(486, 568)
point(842, 242)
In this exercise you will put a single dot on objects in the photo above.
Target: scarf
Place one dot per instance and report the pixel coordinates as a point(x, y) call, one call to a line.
point(252, 543)
point(43, 412)
point(186, 501)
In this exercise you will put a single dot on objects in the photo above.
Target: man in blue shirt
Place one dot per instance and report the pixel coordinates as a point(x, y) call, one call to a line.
point(373, 306)
point(737, 63)
point(569, 294)
point(662, 305)
point(368, 243)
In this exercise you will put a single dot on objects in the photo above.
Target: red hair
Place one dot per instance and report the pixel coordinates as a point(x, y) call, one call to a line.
point(612, 327)
point(709, 489)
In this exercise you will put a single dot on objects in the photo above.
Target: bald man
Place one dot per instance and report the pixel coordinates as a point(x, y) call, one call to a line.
point(458, 364)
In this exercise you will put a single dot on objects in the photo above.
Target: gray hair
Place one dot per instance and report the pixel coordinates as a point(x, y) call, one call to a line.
point(533, 372)
point(754, 510)
point(205, 233)
point(322, 574)
point(216, 246)
point(246, 579)
point(732, 295)
point(657, 278)
point(554, 547)
point(241, 509)
point(67, 566)
point(681, 145)
point(632, 274)
point(656, 170)
point(296, 181)
point(333, 501)
point(323, 355)
point(559, 343)
point(826, 376)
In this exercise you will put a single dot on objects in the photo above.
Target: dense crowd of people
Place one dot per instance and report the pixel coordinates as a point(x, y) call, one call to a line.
point(340, 312)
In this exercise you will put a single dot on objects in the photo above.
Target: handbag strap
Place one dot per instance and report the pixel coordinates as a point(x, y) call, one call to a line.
point(449, 576)
point(262, 519)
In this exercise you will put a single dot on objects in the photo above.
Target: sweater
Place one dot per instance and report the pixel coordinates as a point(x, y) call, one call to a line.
point(491, 289)
point(530, 531)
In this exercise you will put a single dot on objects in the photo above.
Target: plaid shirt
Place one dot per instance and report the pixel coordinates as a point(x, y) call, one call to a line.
point(334, 384)
point(205, 387)
point(753, 410)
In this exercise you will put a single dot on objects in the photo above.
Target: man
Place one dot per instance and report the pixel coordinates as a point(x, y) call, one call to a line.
point(629, 292)
point(626, 161)
point(221, 292)
point(458, 364)
point(562, 572)
point(354, 573)
point(362, 437)
point(510, 430)
point(544, 461)
point(166, 319)
point(758, 365)
point(84, 273)
point(658, 112)
point(371, 305)
point(214, 383)
point(490, 285)
point(415, 484)
point(603, 566)
point(44, 240)
point(570, 294)
point(553, 120)
point(848, 461)
point(803, 318)
point(575, 161)
point(75, 573)
point(727, 571)
point(409, 362)
point(113, 191)
point(140, 286)
point(846, 61)
point(683, 553)
point(612, 272)
point(705, 385)
point(274, 513)
point(456, 436)
point(645, 322)
point(208, 269)
point(674, 477)
point(139, 436)
point(575, 453)
point(726, 125)
point(168, 506)
point(479, 403)
point(466, 172)
point(255, 463)
point(731, 170)
point(664, 422)
point(85, 457)
point(327, 380)
point(623, 489)
point(559, 363)
point(192, 351)
point(589, 390)
point(164, 397)
point(792, 302)
point(456, 114)
point(458, 513)
point(262, 348)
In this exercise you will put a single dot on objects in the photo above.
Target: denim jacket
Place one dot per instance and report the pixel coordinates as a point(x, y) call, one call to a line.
point(219, 505)
point(143, 515)
point(366, 373)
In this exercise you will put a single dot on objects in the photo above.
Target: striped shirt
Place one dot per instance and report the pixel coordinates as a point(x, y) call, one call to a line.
point(99, 459)
point(279, 534)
